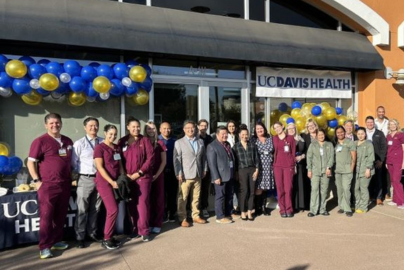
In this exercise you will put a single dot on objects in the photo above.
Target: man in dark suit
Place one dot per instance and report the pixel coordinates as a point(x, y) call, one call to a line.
point(221, 167)
point(380, 146)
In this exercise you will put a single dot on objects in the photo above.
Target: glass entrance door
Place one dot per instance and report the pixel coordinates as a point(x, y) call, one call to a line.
point(175, 103)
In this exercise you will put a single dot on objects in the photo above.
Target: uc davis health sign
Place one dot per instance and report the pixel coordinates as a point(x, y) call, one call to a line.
point(303, 83)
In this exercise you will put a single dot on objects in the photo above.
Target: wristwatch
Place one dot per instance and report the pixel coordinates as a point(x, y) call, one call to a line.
point(36, 180)
point(140, 173)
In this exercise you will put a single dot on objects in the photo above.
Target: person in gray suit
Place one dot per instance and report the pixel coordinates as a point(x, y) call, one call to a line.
point(190, 167)
point(221, 167)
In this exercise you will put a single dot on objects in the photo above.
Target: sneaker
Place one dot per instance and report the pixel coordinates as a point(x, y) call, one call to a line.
point(392, 203)
point(60, 246)
point(401, 207)
point(134, 236)
point(205, 213)
point(348, 214)
point(146, 238)
point(224, 221)
point(45, 253)
point(359, 211)
point(110, 244)
point(388, 198)
point(155, 230)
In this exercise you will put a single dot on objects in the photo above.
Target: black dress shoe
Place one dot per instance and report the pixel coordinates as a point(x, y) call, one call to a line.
point(325, 213)
point(290, 215)
point(310, 214)
point(80, 244)
point(349, 214)
point(95, 238)
point(284, 216)
point(251, 218)
point(244, 218)
point(340, 211)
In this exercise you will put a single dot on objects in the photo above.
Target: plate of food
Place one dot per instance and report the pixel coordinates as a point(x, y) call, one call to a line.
point(24, 188)
point(3, 191)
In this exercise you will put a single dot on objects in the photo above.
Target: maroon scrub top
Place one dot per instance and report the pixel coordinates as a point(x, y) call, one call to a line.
point(54, 158)
point(394, 148)
point(282, 158)
point(110, 164)
point(137, 156)
point(160, 148)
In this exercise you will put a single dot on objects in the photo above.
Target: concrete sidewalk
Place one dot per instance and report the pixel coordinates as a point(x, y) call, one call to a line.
point(374, 240)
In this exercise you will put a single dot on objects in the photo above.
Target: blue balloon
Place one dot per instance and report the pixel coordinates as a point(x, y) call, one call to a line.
point(132, 89)
point(63, 88)
point(5, 80)
point(283, 107)
point(4, 161)
point(78, 84)
point(90, 92)
point(55, 68)
point(106, 71)
point(117, 88)
point(356, 127)
point(72, 67)
point(94, 65)
point(147, 68)
point(27, 60)
point(21, 86)
point(296, 104)
point(3, 62)
point(290, 120)
point(35, 71)
point(316, 110)
point(14, 164)
point(88, 73)
point(338, 110)
point(43, 92)
point(131, 63)
point(333, 123)
point(121, 71)
point(146, 84)
point(43, 62)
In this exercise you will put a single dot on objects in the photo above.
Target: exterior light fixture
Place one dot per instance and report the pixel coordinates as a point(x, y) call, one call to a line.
point(399, 75)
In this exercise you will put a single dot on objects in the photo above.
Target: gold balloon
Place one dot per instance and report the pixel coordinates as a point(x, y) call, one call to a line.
point(32, 98)
point(341, 119)
point(307, 108)
point(16, 69)
point(300, 123)
point(295, 113)
point(272, 130)
point(324, 105)
point(283, 118)
point(330, 133)
point(77, 99)
point(275, 114)
point(141, 97)
point(4, 149)
point(330, 113)
point(137, 74)
point(321, 121)
point(49, 82)
point(101, 84)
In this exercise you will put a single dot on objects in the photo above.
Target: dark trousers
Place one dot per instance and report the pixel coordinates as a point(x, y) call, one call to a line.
point(246, 189)
point(376, 184)
point(53, 203)
point(224, 195)
point(170, 191)
point(284, 186)
point(204, 196)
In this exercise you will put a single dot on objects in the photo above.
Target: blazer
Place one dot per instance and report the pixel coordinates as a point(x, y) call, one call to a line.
point(188, 163)
point(219, 163)
point(314, 160)
point(365, 158)
point(380, 145)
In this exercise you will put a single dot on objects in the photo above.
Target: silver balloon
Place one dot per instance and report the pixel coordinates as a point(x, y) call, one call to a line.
point(104, 96)
point(65, 77)
point(56, 95)
point(91, 99)
point(5, 92)
point(126, 81)
point(34, 83)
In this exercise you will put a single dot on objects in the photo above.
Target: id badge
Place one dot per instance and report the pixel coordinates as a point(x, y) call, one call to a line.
point(117, 156)
point(321, 151)
point(62, 152)
point(266, 153)
point(125, 148)
point(390, 143)
point(286, 148)
point(231, 164)
point(339, 148)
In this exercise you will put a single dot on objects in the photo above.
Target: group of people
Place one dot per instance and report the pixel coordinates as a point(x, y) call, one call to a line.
point(164, 179)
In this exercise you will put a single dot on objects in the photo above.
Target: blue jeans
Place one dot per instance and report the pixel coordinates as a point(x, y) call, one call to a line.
point(224, 195)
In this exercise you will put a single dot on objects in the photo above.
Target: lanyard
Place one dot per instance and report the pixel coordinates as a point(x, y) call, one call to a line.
point(95, 142)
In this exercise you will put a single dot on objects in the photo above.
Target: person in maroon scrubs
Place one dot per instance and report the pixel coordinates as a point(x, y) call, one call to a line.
point(157, 188)
point(49, 164)
point(138, 158)
point(107, 158)
point(395, 162)
point(284, 168)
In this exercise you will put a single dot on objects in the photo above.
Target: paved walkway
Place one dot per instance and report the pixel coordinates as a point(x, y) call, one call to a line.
point(374, 240)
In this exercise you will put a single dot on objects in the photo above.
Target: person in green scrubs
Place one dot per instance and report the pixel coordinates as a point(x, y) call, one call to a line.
point(320, 160)
point(365, 158)
point(345, 160)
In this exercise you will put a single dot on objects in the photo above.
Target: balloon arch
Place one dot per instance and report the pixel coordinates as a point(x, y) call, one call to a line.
point(95, 82)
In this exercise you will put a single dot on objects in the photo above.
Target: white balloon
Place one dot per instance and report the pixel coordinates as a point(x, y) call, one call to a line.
point(56, 95)
point(34, 83)
point(65, 77)
point(90, 99)
point(5, 92)
point(104, 96)
point(126, 81)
